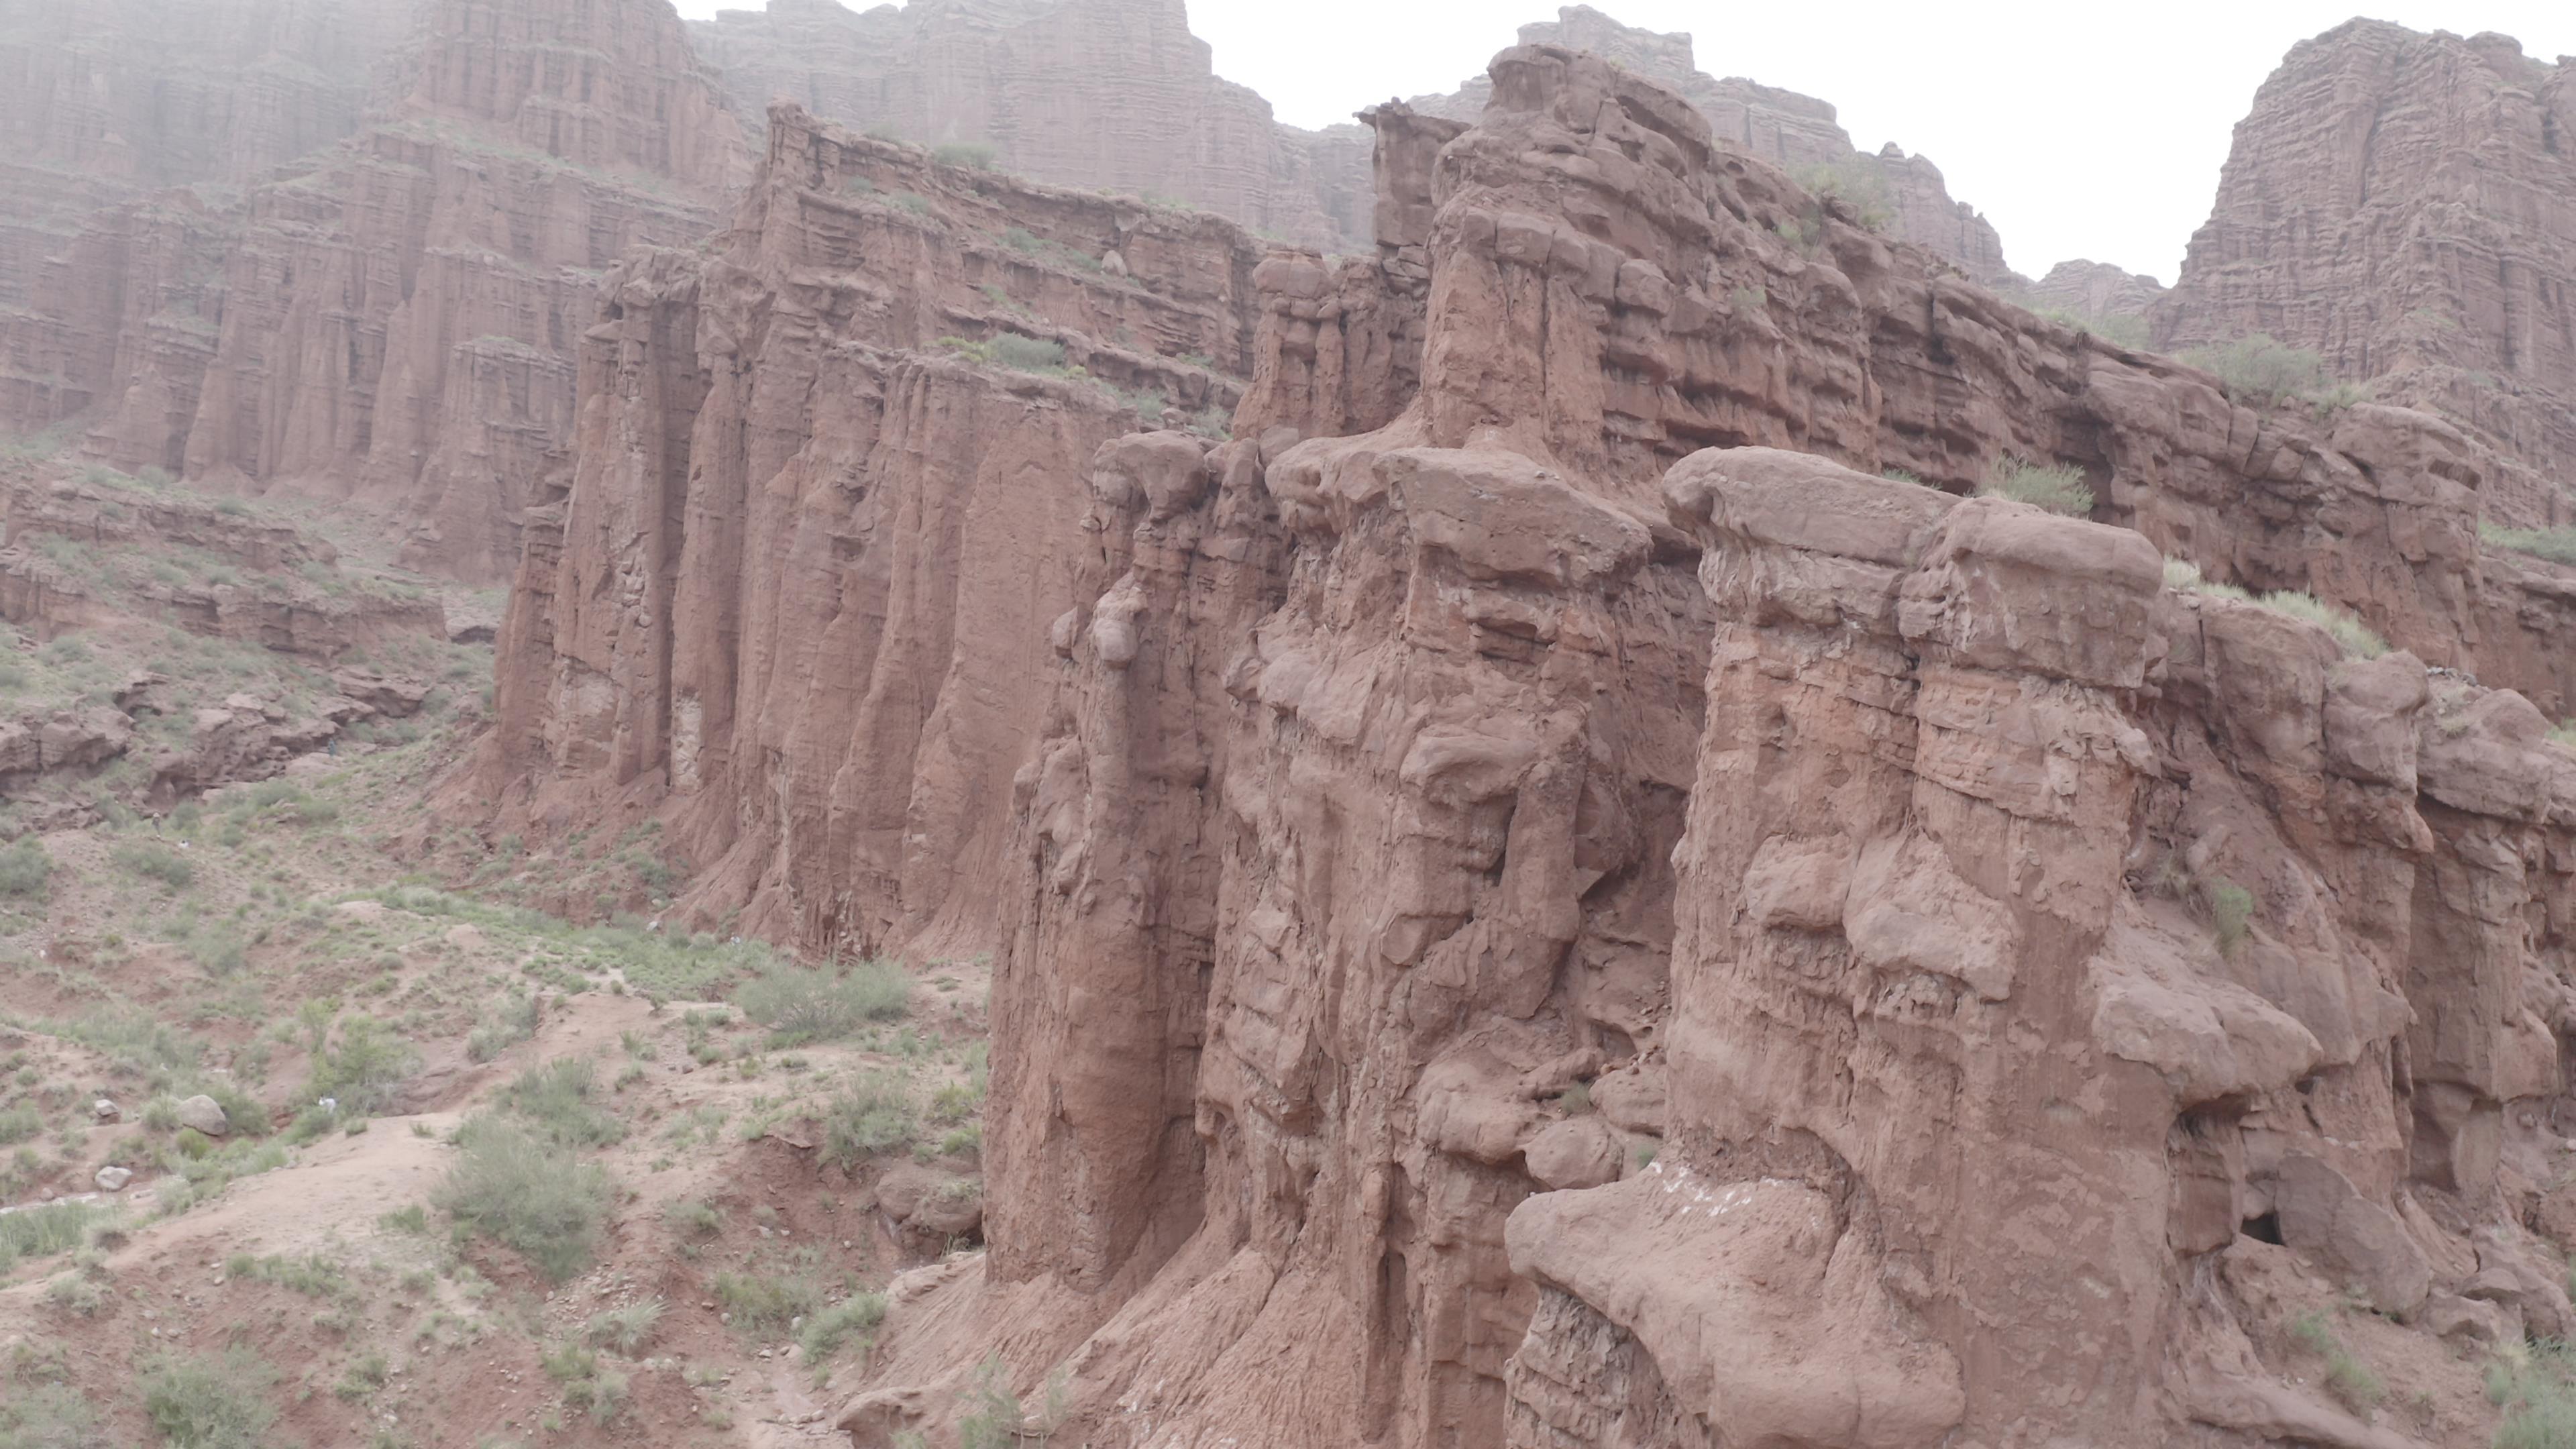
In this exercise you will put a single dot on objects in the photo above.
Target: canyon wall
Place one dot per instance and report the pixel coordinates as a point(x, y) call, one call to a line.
point(2405, 204)
point(804, 566)
point(392, 318)
point(1577, 913)
point(1796, 133)
point(1098, 93)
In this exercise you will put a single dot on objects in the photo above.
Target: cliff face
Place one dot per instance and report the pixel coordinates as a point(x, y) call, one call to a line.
point(2405, 204)
point(1105, 93)
point(808, 557)
point(1796, 133)
point(2003, 989)
point(392, 318)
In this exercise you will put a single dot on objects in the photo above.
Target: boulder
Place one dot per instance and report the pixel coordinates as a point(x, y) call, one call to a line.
point(204, 1114)
point(114, 1179)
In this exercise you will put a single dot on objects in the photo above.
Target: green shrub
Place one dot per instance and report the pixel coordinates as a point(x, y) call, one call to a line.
point(2261, 368)
point(762, 1304)
point(50, 1416)
point(20, 1123)
point(827, 1329)
point(364, 1068)
point(1855, 181)
point(799, 1004)
point(1026, 354)
point(625, 1329)
point(200, 1402)
point(2055, 488)
point(2183, 576)
point(691, 1219)
point(556, 1099)
point(2231, 912)
point(524, 1192)
point(24, 868)
point(870, 1116)
point(513, 1022)
point(2118, 329)
point(156, 862)
point(2355, 637)
point(2536, 1387)
point(54, 1227)
point(2558, 545)
point(973, 155)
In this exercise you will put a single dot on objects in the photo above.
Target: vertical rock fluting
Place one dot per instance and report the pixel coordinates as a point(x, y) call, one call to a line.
point(2405, 204)
point(1107, 93)
point(393, 317)
point(806, 557)
point(1793, 132)
point(1853, 847)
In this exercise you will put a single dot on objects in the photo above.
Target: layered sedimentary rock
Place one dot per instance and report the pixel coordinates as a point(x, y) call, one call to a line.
point(2405, 204)
point(811, 545)
point(1100, 93)
point(393, 317)
point(1796, 133)
point(2091, 289)
point(101, 104)
point(2002, 989)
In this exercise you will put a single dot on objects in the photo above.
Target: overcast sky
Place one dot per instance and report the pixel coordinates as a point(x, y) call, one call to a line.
point(2092, 130)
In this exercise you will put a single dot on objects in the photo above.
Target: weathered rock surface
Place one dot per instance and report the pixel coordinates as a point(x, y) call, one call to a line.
point(2091, 289)
point(2405, 204)
point(393, 317)
point(1544, 688)
point(1796, 133)
point(809, 555)
point(1095, 93)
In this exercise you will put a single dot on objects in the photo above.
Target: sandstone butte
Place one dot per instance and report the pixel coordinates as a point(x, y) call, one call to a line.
point(2399, 202)
point(2002, 978)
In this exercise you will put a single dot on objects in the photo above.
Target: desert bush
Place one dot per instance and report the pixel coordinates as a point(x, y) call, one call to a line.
point(525, 1193)
point(625, 1329)
point(2231, 913)
point(2535, 1384)
point(556, 1099)
point(25, 868)
point(1857, 183)
point(2261, 368)
point(800, 1004)
point(762, 1304)
point(52, 1228)
point(1027, 354)
point(693, 1219)
point(2558, 545)
point(2347, 1378)
point(200, 1402)
point(50, 1416)
point(2356, 637)
point(870, 1116)
point(973, 155)
point(19, 1123)
point(2183, 576)
point(827, 1329)
point(154, 862)
point(363, 1068)
point(2118, 329)
point(2055, 488)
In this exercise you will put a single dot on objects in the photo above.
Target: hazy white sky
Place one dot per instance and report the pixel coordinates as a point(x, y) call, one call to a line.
point(2079, 129)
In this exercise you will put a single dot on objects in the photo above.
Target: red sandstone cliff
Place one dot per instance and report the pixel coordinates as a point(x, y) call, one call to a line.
point(1541, 691)
point(2405, 204)
point(1796, 133)
point(392, 318)
point(1109, 93)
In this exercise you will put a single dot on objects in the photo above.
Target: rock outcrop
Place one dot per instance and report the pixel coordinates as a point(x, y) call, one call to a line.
point(2091, 290)
point(1574, 912)
point(1097, 93)
point(2405, 204)
point(803, 570)
point(1796, 133)
point(392, 318)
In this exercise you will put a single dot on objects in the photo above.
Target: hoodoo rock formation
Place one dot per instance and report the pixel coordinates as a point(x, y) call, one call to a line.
point(392, 316)
point(1106, 93)
point(1793, 132)
point(1541, 899)
point(2405, 204)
